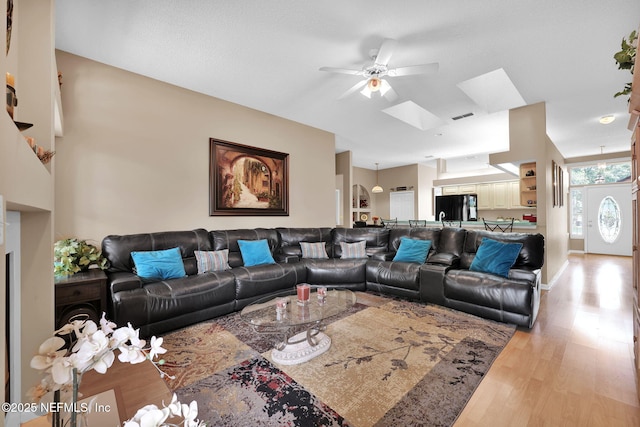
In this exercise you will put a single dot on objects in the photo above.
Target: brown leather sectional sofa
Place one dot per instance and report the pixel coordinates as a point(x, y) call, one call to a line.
point(444, 279)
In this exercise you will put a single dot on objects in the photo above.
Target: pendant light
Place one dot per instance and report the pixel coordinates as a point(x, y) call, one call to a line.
point(377, 188)
point(602, 164)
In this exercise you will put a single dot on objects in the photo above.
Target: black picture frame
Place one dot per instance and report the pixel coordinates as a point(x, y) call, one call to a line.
point(560, 186)
point(246, 180)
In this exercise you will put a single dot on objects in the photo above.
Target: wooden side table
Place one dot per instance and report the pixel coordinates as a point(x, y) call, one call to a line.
point(83, 293)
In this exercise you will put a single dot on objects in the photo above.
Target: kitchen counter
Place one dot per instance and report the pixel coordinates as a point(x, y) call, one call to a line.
point(520, 225)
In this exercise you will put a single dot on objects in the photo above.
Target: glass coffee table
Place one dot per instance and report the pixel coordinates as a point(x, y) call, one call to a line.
point(282, 314)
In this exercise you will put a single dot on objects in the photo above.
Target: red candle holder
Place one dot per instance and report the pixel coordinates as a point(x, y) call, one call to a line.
point(304, 292)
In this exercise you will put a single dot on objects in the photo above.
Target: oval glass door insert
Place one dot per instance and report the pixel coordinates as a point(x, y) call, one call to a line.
point(609, 219)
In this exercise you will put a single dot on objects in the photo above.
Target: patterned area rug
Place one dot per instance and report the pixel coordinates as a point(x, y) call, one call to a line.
point(400, 363)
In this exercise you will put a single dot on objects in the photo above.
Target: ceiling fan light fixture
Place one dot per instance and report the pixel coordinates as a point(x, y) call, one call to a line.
point(384, 87)
point(374, 84)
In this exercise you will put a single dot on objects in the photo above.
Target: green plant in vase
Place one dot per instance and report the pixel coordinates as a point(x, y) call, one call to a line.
point(71, 256)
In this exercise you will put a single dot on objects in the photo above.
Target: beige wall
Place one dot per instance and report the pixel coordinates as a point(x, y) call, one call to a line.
point(26, 184)
point(344, 173)
point(134, 157)
point(557, 228)
point(529, 142)
point(426, 177)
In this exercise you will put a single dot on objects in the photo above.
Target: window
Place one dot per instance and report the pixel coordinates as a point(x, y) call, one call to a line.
point(600, 174)
point(609, 219)
point(576, 206)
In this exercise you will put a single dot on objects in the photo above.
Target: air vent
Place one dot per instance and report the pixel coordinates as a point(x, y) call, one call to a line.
point(462, 116)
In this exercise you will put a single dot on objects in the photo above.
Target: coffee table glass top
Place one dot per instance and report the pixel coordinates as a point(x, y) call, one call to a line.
point(264, 312)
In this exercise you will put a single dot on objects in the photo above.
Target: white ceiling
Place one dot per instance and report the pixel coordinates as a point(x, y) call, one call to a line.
point(267, 54)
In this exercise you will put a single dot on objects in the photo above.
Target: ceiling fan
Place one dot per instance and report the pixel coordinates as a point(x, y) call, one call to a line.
point(375, 72)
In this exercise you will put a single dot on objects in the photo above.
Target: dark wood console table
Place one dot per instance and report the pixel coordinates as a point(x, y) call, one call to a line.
point(84, 293)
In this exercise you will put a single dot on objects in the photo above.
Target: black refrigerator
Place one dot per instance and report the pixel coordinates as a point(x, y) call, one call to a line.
point(457, 207)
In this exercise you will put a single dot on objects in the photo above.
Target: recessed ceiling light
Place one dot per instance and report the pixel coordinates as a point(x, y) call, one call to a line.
point(605, 120)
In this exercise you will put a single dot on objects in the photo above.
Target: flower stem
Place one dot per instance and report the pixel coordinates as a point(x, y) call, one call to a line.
point(75, 398)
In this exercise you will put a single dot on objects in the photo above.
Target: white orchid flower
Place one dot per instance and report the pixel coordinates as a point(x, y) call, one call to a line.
point(154, 418)
point(131, 354)
point(190, 413)
point(83, 331)
point(49, 351)
point(156, 347)
point(104, 362)
point(93, 345)
point(107, 326)
point(148, 416)
point(140, 412)
point(127, 333)
point(73, 326)
point(175, 408)
point(61, 370)
point(89, 329)
point(39, 391)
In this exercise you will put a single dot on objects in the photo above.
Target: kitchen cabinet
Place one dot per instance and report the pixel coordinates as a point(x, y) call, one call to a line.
point(485, 196)
point(467, 189)
point(514, 195)
point(500, 195)
point(459, 189)
point(449, 190)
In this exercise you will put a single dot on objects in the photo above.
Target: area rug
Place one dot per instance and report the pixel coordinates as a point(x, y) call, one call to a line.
point(399, 363)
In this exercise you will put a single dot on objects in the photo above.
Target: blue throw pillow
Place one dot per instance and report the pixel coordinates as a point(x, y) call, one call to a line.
point(255, 252)
point(412, 250)
point(158, 265)
point(495, 257)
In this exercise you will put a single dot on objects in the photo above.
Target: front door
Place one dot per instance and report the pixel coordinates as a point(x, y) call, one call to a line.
point(609, 225)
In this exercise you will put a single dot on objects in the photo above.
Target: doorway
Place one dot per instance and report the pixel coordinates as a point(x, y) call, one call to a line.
point(609, 227)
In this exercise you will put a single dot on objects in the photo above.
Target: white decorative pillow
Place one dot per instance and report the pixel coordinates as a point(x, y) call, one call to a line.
point(212, 260)
point(353, 250)
point(313, 250)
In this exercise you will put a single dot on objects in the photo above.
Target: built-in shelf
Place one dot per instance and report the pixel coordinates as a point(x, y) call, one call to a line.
point(528, 185)
point(361, 204)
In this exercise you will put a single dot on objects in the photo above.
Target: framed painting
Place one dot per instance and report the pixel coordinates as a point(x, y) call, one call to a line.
point(246, 180)
point(554, 182)
point(560, 186)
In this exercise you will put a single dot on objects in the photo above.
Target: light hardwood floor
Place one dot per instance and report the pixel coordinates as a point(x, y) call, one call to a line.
point(573, 368)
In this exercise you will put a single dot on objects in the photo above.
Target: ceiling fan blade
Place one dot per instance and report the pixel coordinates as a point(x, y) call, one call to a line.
point(414, 69)
point(353, 89)
point(342, 71)
point(385, 51)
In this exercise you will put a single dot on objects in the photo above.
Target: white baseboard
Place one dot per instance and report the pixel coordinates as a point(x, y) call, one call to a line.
point(547, 287)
